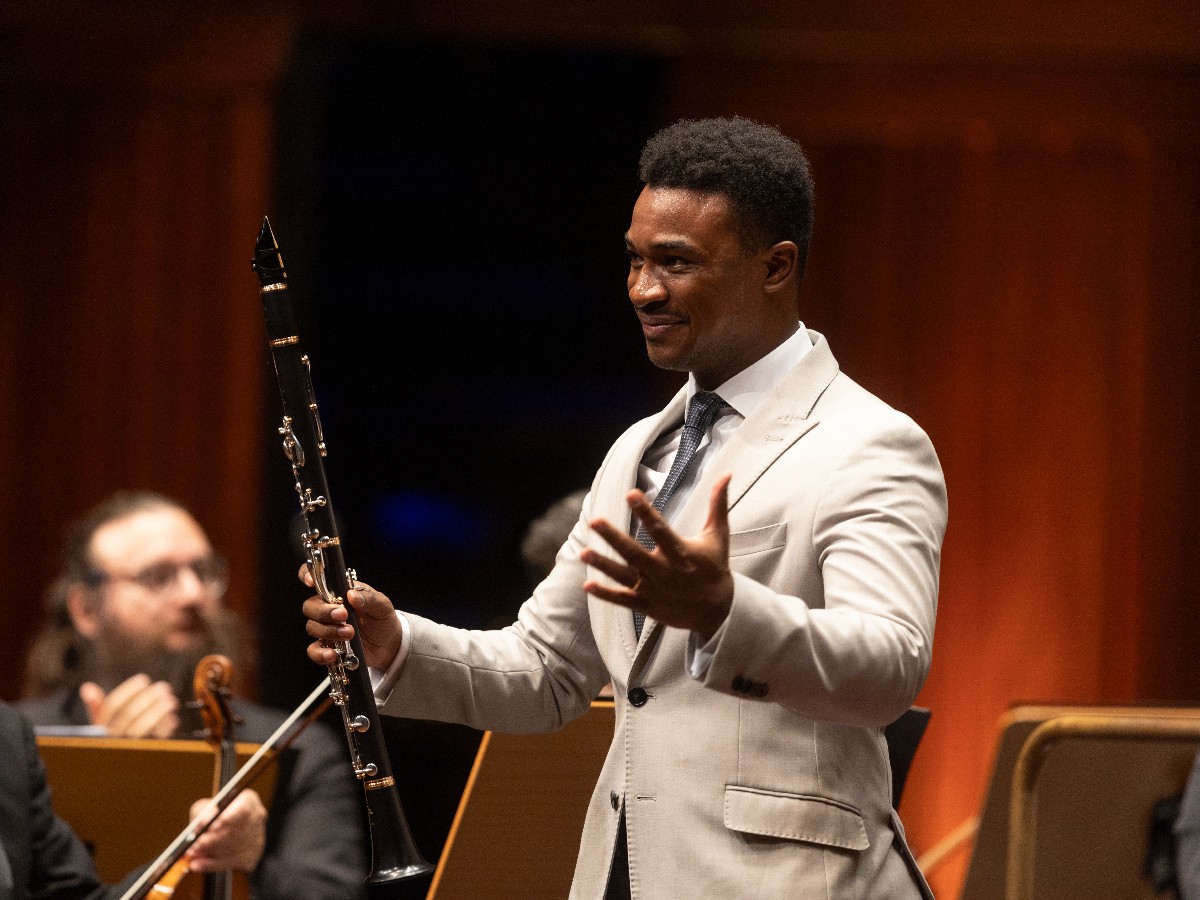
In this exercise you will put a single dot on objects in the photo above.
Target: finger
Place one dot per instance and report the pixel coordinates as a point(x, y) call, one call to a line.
point(236, 838)
point(217, 824)
point(250, 805)
point(208, 852)
point(655, 525)
point(620, 596)
point(232, 819)
point(334, 632)
point(305, 575)
point(150, 713)
point(93, 696)
point(158, 717)
point(199, 859)
point(369, 602)
point(317, 610)
point(200, 817)
point(629, 549)
point(322, 654)
point(123, 693)
point(125, 702)
point(617, 571)
point(151, 723)
point(202, 811)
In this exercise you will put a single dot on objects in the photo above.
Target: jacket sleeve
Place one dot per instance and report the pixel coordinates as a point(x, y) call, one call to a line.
point(856, 647)
point(58, 866)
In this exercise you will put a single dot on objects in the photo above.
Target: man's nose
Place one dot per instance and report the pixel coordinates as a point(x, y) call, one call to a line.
point(644, 287)
point(188, 586)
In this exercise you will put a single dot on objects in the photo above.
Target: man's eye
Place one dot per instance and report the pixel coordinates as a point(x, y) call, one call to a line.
point(158, 577)
point(635, 261)
point(210, 569)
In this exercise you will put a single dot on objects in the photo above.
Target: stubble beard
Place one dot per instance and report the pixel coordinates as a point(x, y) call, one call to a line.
point(693, 360)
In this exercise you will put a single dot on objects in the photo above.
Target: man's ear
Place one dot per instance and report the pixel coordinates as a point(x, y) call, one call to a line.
point(82, 606)
point(782, 261)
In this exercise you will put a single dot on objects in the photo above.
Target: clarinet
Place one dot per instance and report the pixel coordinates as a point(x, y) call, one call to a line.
point(394, 855)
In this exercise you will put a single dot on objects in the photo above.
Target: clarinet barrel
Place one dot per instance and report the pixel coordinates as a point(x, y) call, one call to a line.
point(394, 855)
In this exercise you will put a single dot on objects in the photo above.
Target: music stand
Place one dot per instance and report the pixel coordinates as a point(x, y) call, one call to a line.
point(521, 814)
point(129, 798)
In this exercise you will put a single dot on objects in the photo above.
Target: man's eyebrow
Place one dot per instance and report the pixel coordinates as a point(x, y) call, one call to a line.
point(666, 246)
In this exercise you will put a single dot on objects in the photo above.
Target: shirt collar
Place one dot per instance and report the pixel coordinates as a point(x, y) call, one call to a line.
point(745, 389)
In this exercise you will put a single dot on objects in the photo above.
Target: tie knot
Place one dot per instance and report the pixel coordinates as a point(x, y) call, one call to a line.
point(702, 409)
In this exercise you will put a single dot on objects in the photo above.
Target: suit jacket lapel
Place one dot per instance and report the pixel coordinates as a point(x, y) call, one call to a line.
point(784, 416)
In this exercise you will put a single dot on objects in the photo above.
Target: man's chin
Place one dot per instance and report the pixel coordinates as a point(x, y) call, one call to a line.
point(665, 357)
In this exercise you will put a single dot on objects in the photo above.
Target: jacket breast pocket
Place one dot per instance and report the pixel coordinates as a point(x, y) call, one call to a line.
point(797, 817)
point(757, 540)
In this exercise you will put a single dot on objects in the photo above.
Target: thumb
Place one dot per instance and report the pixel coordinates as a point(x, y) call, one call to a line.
point(92, 696)
point(369, 603)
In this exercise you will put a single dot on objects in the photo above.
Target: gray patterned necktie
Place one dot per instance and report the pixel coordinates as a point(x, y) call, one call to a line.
point(702, 412)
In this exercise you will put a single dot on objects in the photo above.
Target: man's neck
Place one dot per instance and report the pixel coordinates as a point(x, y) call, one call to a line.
point(745, 389)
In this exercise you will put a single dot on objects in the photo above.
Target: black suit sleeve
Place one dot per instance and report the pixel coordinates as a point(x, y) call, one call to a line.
point(47, 857)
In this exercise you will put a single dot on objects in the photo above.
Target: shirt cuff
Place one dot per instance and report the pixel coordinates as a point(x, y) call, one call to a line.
point(383, 680)
point(700, 658)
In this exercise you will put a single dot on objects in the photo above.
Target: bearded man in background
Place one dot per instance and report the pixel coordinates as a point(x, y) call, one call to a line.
point(136, 606)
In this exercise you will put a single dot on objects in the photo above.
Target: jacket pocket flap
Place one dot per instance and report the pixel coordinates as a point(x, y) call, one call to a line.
point(794, 816)
point(756, 540)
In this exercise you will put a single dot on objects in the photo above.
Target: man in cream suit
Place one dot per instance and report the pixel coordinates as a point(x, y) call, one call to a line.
point(788, 585)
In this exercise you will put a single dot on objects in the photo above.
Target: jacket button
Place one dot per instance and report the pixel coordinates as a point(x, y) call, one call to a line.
point(638, 696)
point(614, 800)
point(744, 685)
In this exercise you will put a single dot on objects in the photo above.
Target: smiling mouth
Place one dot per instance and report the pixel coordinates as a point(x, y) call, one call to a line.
point(654, 334)
point(657, 326)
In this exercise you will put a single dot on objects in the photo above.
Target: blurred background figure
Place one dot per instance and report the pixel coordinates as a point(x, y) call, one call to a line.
point(542, 541)
point(137, 604)
point(547, 533)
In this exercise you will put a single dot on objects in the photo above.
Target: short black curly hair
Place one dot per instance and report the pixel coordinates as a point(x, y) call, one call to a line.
point(764, 174)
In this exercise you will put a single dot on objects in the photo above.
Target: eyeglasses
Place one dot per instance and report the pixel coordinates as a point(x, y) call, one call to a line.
point(211, 571)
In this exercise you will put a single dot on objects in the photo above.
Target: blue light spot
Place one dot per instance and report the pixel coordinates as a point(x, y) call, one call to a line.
point(412, 520)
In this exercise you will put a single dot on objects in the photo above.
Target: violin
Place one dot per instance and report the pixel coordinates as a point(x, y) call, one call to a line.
point(214, 673)
point(211, 681)
point(154, 881)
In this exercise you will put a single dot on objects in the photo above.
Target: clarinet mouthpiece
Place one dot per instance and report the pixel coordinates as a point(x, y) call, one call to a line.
point(268, 261)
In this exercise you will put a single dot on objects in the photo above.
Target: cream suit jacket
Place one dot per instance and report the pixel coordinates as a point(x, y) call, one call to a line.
point(768, 777)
